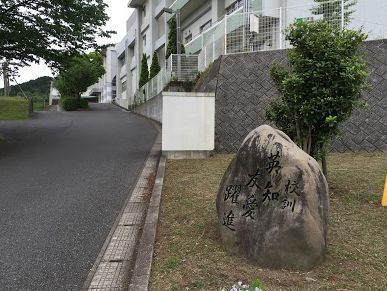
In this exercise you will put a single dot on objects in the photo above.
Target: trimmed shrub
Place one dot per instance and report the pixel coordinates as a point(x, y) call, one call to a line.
point(172, 39)
point(69, 103)
point(155, 66)
point(144, 75)
point(83, 103)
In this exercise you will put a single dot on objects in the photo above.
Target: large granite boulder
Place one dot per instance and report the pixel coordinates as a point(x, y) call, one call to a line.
point(273, 203)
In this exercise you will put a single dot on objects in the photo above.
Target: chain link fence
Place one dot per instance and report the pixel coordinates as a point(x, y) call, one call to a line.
point(182, 67)
point(178, 68)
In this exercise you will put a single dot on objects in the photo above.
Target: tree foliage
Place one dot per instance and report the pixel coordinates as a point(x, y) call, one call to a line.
point(144, 75)
point(172, 39)
point(326, 77)
point(81, 72)
point(51, 30)
point(155, 66)
point(331, 10)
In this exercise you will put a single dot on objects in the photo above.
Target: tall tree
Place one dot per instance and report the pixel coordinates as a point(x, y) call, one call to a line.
point(331, 10)
point(172, 39)
point(324, 84)
point(51, 30)
point(155, 66)
point(144, 74)
point(82, 72)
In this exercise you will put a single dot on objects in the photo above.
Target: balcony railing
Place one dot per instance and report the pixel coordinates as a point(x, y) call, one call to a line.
point(263, 30)
point(178, 4)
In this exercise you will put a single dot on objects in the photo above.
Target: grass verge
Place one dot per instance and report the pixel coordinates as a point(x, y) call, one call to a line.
point(189, 254)
point(13, 108)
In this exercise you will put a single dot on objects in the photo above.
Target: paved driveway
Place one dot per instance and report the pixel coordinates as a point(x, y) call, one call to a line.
point(64, 177)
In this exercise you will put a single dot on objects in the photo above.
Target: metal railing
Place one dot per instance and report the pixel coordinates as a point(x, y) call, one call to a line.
point(178, 68)
point(153, 87)
point(264, 30)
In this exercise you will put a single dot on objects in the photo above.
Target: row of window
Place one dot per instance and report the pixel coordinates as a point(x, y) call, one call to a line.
point(231, 8)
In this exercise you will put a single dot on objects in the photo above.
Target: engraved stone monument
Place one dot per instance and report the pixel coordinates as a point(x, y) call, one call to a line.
point(272, 203)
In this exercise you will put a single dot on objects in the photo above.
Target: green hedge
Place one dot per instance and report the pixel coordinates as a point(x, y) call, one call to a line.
point(71, 103)
point(83, 104)
point(13, 108)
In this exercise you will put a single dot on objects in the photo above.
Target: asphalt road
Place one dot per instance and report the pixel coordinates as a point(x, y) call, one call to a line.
point(64, 177)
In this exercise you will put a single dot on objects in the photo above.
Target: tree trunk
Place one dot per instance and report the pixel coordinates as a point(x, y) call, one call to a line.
point(298, 134)
point(6, 79)
point(324, 166)
point(310, 140)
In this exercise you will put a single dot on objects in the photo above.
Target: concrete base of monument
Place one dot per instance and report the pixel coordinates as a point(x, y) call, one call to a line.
point(181, 155)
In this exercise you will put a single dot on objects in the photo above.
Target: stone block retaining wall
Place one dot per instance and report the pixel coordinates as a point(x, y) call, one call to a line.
point(244, 89)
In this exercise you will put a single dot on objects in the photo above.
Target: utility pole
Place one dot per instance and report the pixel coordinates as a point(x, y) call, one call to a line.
point(178, 38)
point(178, 32)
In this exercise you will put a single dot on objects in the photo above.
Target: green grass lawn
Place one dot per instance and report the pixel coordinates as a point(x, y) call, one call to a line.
point(189, 254)
point(13, 108)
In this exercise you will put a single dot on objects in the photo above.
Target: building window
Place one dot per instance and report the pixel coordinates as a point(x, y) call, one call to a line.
point(234, 6)
point(205, 26)
point(144, 10)
point(188, 38)
point(123, 86)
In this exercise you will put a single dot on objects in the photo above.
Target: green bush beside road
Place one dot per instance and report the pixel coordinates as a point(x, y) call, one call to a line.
point(13, 108)
point(71, 103)
point(83, 104)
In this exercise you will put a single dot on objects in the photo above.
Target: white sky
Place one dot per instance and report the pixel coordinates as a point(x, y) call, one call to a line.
point(118, 12)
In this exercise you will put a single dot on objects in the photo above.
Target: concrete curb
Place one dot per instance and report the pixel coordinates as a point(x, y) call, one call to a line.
point(113, 267)
point(143, 264)
point(119, 106)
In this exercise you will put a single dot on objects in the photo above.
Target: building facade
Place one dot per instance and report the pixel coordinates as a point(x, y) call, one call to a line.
point(105, 89)
point(211, 28)
point(147, 31)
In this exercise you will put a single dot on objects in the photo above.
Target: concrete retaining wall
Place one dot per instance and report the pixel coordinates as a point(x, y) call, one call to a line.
point(152, 109)
point(188, 122)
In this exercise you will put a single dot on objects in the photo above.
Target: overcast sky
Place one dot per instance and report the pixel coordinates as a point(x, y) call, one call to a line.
point(118, 12)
